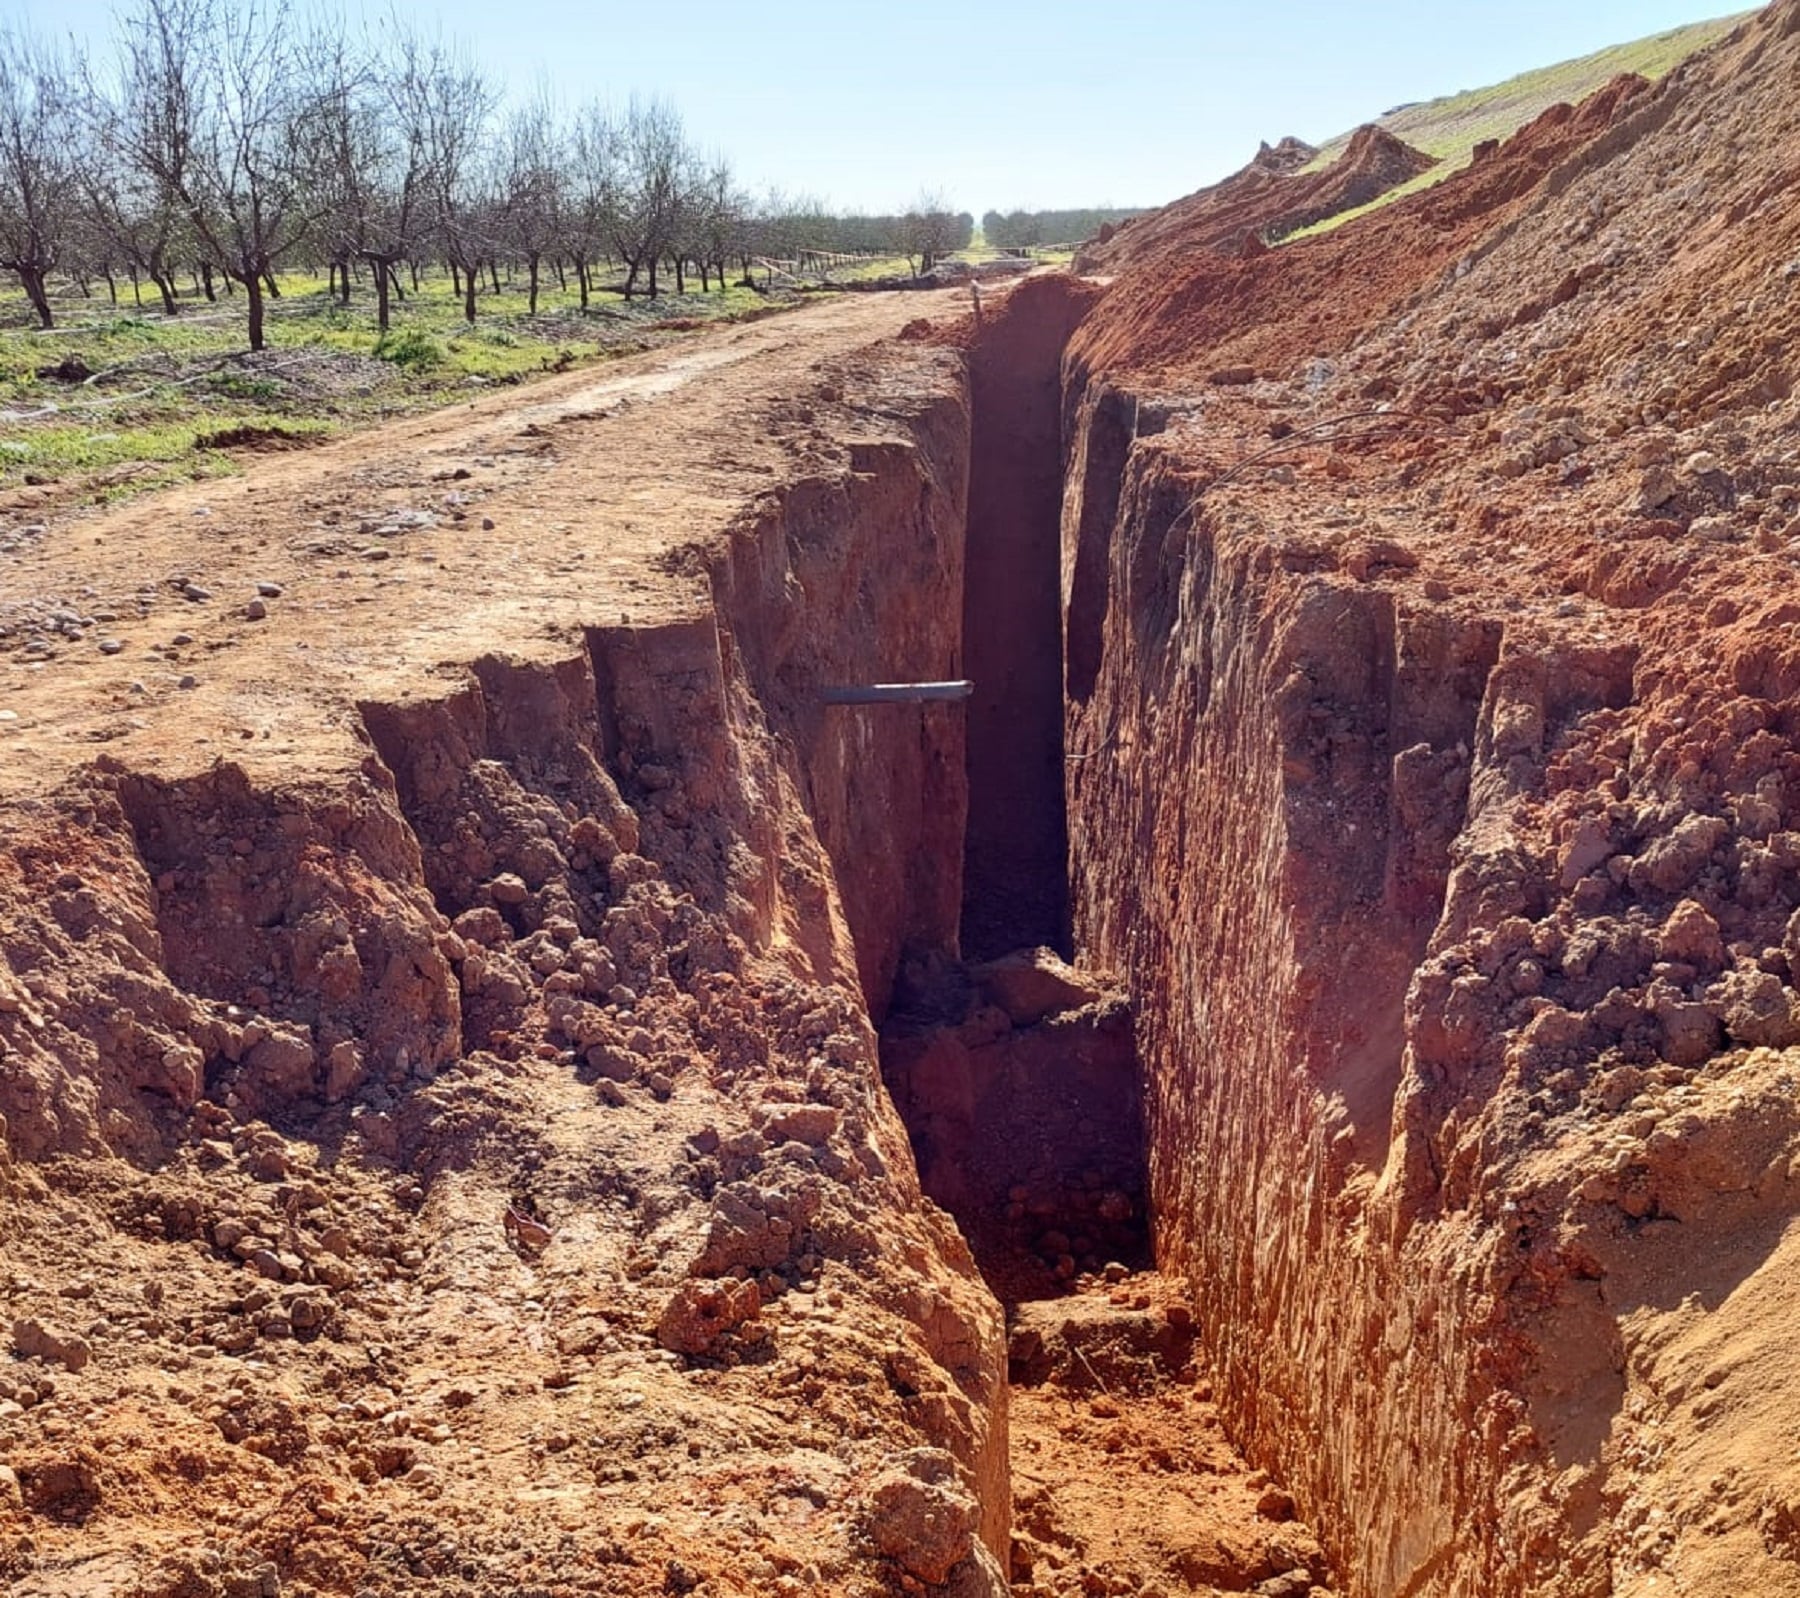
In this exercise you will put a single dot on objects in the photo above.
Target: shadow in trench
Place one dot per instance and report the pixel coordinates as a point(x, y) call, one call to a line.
point(1018, 1083)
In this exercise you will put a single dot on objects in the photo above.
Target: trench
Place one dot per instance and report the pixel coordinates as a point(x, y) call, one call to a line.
point(1018, 1077)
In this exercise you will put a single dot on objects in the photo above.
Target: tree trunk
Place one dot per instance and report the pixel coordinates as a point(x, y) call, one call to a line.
point(253, 289)
point(344, 277)
point(269, 283)
point(469, 296)
point(494, 274)
point(381, 295)
point(33, 281)
point(206, 282)
point(137, 292)
point(414, 266)
point(393, 277)
point(112, 287)
point(455, 279)
point(680, 278)
point(531, 266)
point(653, 277)
point(581, 281)
point(631, 272)
point(562, 283)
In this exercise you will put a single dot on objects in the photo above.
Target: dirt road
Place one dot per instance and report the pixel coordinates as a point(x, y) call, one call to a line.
point(473, 530)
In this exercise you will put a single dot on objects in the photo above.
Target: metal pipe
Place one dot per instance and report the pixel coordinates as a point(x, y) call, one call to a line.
point(897, 693)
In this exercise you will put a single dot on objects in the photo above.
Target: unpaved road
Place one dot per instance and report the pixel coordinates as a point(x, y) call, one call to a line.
point(473, 530)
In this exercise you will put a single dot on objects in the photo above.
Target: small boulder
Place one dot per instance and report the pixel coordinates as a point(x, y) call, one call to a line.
point(921, 1515)
point(1030, 984)
point(34, 1340)
point(703, 1316)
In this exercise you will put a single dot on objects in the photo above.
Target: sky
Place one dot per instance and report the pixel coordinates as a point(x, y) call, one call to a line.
point(1001, 104)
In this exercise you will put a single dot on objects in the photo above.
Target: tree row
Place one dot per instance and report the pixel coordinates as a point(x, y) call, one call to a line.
point(234, 138)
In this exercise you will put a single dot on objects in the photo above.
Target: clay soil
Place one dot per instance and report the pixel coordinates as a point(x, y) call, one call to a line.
point(1465, 540)
point(403, 1319)
point(446, 1143)
point(377, 1215)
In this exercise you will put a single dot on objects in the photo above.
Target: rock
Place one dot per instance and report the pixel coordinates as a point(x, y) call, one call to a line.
point(269, 590)
point(703, 1316)
point(812, 1124)
point(508, 889)
point(34, 1340)
point(1756, 1008)
point(11, 1495)
point(1274, 1504)
point(1691, 934)
point(1033, 983)
point(921, 1516)
point(256, 610)
point(111, 646)
point(267, 1264)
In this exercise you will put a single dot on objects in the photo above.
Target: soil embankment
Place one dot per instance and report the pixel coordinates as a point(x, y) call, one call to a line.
point(444, 1139)
point(444, 932)
point(1428, 628)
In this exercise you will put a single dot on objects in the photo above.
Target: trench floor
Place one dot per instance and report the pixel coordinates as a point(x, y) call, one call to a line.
point(1124, 1482)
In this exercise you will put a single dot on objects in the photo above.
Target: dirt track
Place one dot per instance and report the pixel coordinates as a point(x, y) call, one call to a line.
point(591, 482)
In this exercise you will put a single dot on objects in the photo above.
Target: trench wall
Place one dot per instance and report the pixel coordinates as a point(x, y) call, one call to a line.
point(599, 841)
point(1406, 1059)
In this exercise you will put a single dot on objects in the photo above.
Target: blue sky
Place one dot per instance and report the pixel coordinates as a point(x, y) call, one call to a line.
point(1006, 103)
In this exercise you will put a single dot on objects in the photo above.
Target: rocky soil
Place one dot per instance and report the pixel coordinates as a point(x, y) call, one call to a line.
point(465, 997)
point(444, 1140)
point(1432, 665)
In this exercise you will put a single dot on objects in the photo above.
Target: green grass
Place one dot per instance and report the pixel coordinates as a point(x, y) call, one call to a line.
point(1452, 126)
point(169, 388)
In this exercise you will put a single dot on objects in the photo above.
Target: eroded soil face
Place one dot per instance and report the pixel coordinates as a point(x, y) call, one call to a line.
point(444, 1141)
point(1429, 591)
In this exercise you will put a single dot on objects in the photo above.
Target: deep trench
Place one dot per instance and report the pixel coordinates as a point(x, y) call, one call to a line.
point(1025, 1110)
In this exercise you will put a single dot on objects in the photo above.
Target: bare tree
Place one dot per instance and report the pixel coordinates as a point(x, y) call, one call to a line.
point(39, 191)
point(458, 104)
point(720, 210)
point(231, 129)
point(530, 199)
point(928, 230)
point(592, 193)
point(650, 160)
point(374, 151)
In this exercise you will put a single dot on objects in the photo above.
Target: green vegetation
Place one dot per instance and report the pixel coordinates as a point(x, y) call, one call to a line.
point(1032, 229)
point(1451, 127)
point(168, 397)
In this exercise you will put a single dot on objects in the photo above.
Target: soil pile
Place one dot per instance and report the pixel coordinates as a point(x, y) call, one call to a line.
point(1434, 577)
point(1268, 199)
point(1198, 300)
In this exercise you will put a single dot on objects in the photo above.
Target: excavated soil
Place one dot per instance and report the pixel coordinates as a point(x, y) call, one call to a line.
point(443, 930)
point(1268, 199)
point(1291, 1088)
point(1430, 627)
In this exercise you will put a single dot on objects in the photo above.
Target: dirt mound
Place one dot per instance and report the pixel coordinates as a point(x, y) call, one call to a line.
point(1192, 303)
point(1455, 614)
point(1268, 199)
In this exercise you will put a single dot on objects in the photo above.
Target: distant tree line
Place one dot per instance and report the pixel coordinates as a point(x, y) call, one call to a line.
point(1019, 230)
point(226, 140)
